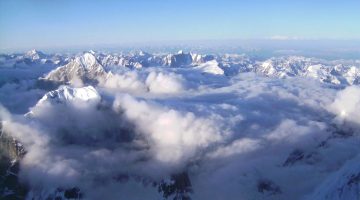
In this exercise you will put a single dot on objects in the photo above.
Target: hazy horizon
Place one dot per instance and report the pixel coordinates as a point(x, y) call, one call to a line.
point(329, 49)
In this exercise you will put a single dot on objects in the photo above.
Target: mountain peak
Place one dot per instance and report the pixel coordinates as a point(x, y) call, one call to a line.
point(87, 60)
point(83, 69)
point(68, 94)
point(143, 54)
point(34, 54)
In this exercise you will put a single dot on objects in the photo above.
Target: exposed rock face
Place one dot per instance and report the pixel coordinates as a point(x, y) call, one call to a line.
point(178, 188)
point(268, 187)
point(11, 152)
point(178, 60)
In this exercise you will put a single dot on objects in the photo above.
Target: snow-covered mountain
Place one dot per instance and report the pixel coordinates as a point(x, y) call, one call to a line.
point(32, 58)
point(329, 72)
point(211, 67)
point(344, 184)
point(68, 94)
point(90, 67)
point(82, 69)
point(178, 60)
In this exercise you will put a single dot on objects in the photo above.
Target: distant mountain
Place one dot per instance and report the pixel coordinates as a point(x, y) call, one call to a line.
point(35, 55)
point(178, 60)
point(293, 66)
point(89, 67)
point(82, 69)
point(137, 60)
point(32, 58)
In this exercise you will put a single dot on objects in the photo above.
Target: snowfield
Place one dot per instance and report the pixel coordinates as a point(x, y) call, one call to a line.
point(100, 125)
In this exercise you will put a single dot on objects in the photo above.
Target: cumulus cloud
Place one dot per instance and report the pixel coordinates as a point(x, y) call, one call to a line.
point(125, 82)
point(347, 105)
point(135, 82)
point(289, 131)
point(175, 136)
point(239, 146)
point(164, 83)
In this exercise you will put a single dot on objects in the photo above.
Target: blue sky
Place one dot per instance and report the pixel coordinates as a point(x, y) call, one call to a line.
point(61, 23)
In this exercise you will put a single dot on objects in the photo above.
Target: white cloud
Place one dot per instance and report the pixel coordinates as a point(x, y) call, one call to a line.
point(289, 131)
point(283, 37)
point(135, 82)
point(164, 83)
point(239, 146)
point(126, 82)
point(175, 136)
point(347, 105)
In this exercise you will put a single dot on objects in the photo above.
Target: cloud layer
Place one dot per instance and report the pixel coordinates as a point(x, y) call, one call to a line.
point(243, 136)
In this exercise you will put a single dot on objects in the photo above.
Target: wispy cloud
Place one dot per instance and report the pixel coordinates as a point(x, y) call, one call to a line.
point(284, 37)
